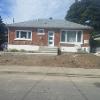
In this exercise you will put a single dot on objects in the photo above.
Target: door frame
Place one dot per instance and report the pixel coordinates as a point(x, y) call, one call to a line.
point(52, 39)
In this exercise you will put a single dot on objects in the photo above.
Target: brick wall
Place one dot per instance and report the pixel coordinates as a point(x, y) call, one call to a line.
point(36, 39)
point(42, 40)
point(86, 37)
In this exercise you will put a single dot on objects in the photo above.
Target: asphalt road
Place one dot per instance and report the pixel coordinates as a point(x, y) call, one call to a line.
point(43, 87)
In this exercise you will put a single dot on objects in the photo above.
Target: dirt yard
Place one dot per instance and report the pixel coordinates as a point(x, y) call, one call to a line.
point(64, 60)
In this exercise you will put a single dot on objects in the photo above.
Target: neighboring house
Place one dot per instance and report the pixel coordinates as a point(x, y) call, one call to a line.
point(97, 39)
point(30, 35)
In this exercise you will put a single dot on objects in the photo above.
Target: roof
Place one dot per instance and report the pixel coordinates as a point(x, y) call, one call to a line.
point(97, 37)
point(50, 23)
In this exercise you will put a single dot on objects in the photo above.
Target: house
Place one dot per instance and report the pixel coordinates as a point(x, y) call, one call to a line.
point(31, 35)
point(97, 39)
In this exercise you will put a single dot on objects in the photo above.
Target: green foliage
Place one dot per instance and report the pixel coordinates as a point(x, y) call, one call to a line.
point(22, 50)
point(14, 50)
point(85, 12)
point(3, 32)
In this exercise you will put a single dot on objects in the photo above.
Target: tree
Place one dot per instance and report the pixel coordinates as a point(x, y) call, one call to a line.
point(3, 31)
point(85, 12)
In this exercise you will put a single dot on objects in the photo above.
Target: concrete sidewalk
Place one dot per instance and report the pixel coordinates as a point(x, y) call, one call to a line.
point(62, 71)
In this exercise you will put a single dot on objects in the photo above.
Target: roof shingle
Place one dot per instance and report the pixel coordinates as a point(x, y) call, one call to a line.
point(50, 23)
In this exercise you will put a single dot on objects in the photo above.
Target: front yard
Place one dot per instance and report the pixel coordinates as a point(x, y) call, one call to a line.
point(64, 60)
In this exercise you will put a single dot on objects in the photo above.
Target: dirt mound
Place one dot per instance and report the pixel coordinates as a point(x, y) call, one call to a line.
point(64, 60)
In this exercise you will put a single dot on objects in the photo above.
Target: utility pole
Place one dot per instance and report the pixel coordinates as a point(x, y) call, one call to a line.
point(13, 20)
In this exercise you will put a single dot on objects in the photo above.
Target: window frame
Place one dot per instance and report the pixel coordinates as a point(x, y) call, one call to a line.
point(40, 33)
point(76, 42)
point(27, 32)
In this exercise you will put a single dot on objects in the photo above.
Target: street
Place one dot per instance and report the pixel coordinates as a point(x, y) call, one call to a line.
point(14, 86)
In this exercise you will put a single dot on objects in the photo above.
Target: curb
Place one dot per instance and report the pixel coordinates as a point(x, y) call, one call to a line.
point(50, 74)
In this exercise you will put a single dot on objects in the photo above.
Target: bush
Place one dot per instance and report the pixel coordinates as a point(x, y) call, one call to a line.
point(14, 50)
point(22, 50)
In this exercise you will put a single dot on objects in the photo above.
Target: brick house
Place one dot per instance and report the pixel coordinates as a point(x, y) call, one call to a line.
point(31, 35)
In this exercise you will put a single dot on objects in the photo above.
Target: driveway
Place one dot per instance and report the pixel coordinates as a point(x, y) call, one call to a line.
point(26, 86)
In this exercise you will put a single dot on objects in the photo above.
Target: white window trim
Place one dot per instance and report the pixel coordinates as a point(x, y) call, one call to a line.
point(76, 37)
point(39, 33)
point(20, 35)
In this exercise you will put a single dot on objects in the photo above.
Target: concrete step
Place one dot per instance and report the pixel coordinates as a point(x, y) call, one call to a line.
point(27, 53)
point(48, 49)
point(45, 53)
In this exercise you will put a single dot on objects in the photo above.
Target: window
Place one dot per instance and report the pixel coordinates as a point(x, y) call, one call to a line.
point(17, 34)
point(79, 35)
point(63, 36)
point(29, 35)
point(71, 36)
point(24, 35)
point(40, 32)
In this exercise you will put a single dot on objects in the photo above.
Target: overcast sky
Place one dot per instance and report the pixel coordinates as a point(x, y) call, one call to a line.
point(22, 10)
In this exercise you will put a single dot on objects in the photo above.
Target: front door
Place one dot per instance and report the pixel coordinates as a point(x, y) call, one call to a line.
point(50, 38)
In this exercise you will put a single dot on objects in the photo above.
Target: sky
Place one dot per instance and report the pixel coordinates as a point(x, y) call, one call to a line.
point(22, 10)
